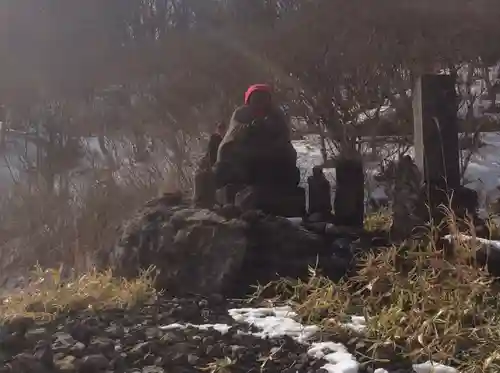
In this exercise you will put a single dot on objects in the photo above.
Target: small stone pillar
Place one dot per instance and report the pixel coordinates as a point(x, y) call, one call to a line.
point(436, 130)
point(349, 203)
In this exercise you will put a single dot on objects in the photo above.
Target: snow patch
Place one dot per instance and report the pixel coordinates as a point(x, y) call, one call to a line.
point(431, 367)
point(357, 324)
point(221, 328)
point(495, 245)
point(339, 359)
point(274, 323)
point(278, 322)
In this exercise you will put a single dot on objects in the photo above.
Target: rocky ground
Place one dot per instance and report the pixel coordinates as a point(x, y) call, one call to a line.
point(167, 337)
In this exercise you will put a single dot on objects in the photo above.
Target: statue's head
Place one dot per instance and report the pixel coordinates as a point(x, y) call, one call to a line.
point(259, 97)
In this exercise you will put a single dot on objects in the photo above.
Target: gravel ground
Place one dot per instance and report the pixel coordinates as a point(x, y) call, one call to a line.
point(166, 337)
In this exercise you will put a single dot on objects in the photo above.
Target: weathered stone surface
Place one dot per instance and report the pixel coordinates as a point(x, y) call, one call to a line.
point(412, 210)
point(204, 194)
point(193, 250)
point(205, 252)
point(407, 199)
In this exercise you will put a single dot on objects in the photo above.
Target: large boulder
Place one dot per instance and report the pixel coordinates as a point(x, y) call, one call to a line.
point(200, 251)
point(194, 250)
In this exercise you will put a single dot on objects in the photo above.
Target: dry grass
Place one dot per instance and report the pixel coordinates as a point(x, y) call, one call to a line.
point(379, 221)
point(49, 294)
point(223, 365)
point(417, 302)
point(492, 223)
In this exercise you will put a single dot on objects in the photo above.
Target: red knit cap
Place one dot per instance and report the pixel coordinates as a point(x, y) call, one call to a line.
point(256, 88)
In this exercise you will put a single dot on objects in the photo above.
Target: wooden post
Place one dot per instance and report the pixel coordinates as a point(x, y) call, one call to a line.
point(436, 138)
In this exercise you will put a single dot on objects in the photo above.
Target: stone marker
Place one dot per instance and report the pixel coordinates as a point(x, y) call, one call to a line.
point(319, 195)
point(407, 197)
point(204, 194)
point(436, 138)
point(349, 203)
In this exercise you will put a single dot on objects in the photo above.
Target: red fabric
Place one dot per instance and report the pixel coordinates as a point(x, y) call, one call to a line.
point(255, 88)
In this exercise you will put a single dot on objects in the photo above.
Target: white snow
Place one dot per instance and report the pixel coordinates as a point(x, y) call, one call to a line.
point(278, 322)
point(495, 245)
point(339, 359)
point(221, 328)
point(357, 324)
point(274, 323)
point(431, 367)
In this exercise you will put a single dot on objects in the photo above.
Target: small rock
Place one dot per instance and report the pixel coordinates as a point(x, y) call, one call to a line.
point(36, 335)
point(82, 332)
point(214, 350)
point(118, 364)
point(66, 364)
point(27, 363)
point(140, 348)
point(14, 343)
point(173, 337)
point(20, 325)
point(237, 351)
point(153, 369)
point(152, 333)
point(115, 331)
point(102, 345)
point(43, 352)
point(149, 359)
point(78, 350)
point(193, 359)
point(63, 342)
point(177, 358)
point(94, 363)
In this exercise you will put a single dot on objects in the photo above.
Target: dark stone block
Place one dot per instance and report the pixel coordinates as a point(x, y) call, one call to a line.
point(349, 204)
point(436, 138)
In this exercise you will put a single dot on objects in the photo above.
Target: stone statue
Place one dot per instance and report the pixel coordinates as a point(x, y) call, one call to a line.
point(204, 195)
point(257, 152)
point(319, 196)
point(204, 185)
point(214, 143)
point(407, 199)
